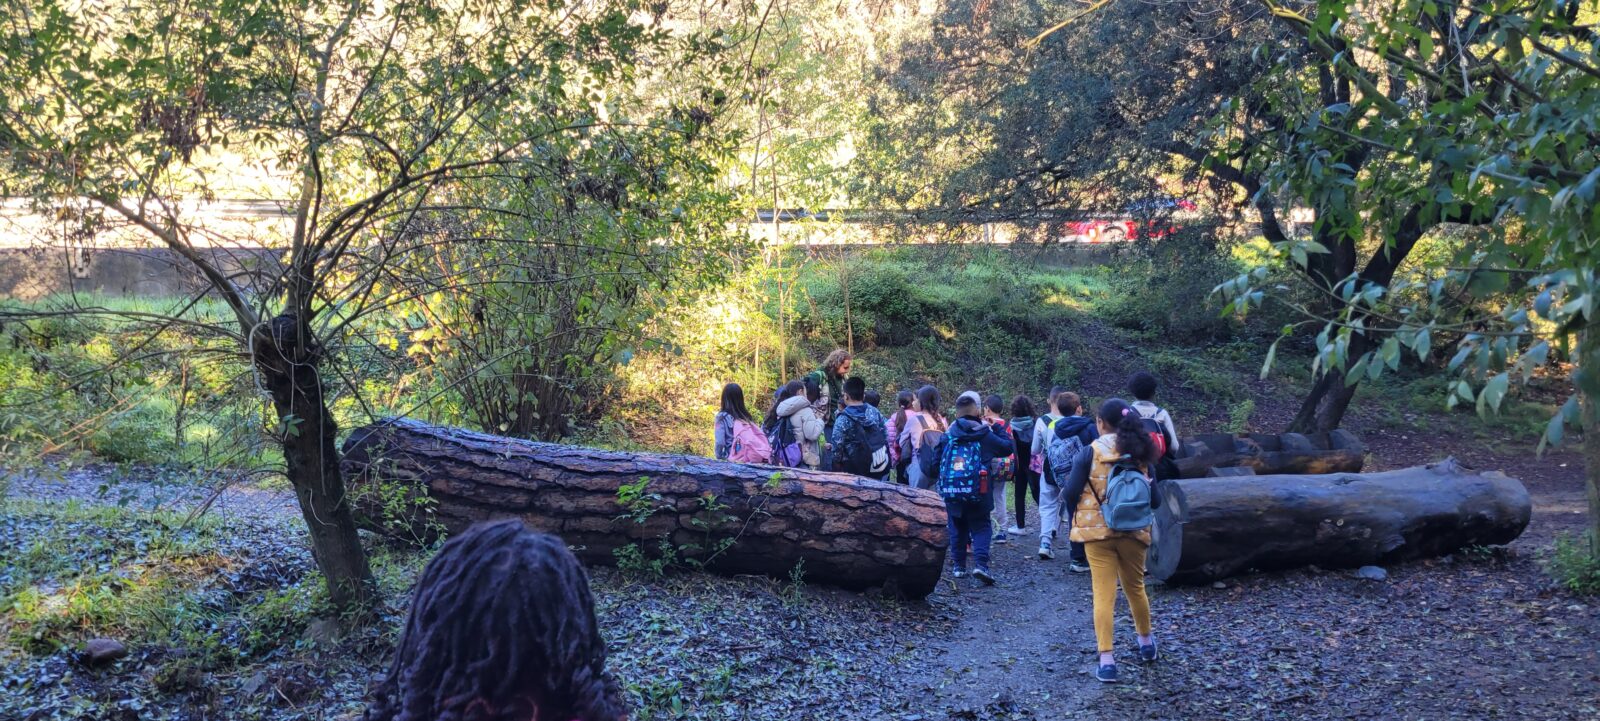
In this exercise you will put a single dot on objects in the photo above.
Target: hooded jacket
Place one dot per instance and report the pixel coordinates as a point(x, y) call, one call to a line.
point(807, 428)
point(1022, 428)
point(1081, 427)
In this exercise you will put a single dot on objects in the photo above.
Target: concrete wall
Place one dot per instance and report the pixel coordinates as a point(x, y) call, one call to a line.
point(34, 273)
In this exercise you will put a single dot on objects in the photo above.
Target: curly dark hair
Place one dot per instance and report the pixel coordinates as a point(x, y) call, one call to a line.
point(502, 628)
point(1132, 440)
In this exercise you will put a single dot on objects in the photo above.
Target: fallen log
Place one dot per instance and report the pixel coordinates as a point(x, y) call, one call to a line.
point(1346, 520)
point(729, 518)
point(1337, 452)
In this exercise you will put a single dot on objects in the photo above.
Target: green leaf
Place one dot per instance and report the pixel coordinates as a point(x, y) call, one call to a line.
point(1391, 352)
point(1272, 353)
point(1494, 392)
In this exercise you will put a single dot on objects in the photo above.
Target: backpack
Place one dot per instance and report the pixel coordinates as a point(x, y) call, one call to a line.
point(1003, 469)
point(1060, 452)
point(785, 447)
point(749, 444)
point(1126, 505)
point(864, 453)
point(931, 455)
point(1036, 462)
point(1165, 466)
point(1158, 435)
point(962, 476)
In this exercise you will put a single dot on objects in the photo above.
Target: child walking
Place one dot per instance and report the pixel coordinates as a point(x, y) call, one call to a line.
point(924, 425)
point(456, 659)
point(1027, 481)
point(1003, 469)
point(1071, 432)
point(1114, 556)
point(964, 485)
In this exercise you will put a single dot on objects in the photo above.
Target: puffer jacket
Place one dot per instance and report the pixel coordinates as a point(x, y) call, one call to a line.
point(1088, 525)
point(807, 428)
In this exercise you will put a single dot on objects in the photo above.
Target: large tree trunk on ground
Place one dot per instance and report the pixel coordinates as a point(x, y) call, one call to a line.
point(1336, 452)
point(1344, 520)
point(731, 518)
point(289, 369)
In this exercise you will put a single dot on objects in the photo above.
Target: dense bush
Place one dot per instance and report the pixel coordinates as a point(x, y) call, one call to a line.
point(1164, 287)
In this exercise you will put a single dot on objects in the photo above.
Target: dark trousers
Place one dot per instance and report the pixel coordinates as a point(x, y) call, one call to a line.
point(902, 471)
point(1027, 481)
point(969, 524)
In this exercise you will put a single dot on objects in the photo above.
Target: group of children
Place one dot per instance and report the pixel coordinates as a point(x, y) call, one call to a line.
point(455, 661)
point(1066, 458)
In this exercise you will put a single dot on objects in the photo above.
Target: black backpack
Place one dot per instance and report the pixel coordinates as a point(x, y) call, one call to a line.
point(931, 455)
point(863, 451)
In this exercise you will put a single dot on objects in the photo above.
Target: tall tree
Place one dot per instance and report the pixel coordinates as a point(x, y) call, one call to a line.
point(1498, 117)
point(372, 114)
point(1061, 105)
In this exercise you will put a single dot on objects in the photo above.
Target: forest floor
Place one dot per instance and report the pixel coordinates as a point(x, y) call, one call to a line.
point(224, 618)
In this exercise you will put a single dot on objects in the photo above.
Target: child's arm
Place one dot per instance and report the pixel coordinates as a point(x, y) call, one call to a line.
point(722, 439)
point(1166, 420)
point(1078, 479)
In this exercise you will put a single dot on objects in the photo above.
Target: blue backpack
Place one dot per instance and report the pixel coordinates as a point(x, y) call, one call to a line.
point(961, 472)
point(1126, 505)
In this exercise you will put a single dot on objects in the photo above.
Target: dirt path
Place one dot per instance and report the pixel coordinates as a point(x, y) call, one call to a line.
point(1023, 648)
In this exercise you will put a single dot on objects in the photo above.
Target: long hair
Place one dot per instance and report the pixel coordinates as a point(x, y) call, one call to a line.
point(784, 392)
point(733, 402)
point(502, 628)
point(834, 360)
point(928, 399)
point(1132, 439)
point(903, 399)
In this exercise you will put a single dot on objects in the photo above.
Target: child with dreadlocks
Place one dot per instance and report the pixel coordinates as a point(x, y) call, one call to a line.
point(502, 628)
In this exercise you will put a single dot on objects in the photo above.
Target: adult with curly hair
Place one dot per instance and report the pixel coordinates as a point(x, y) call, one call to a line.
point(502, 628)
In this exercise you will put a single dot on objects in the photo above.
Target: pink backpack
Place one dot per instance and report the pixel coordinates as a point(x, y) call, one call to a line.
point(749, 444)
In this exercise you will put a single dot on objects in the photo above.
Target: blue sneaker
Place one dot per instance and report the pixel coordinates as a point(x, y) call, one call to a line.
point(1106, 673)
point(958, 573)
point(982, 574)
point(1147, 653)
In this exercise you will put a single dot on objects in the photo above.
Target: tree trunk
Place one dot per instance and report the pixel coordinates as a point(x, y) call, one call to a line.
point(288, 367)
point(1266, 523)
point(1324, 407)
point(1589, 398)
point(1336, 452)
point(726, 517)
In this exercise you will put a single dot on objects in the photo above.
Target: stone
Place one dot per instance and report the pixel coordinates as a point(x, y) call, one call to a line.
point(101, 651)
point(1219, 585)
point(255, 685)
point(322, 633)
point(1372, 573)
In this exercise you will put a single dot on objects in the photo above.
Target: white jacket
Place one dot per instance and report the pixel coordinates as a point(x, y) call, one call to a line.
point(807, 428)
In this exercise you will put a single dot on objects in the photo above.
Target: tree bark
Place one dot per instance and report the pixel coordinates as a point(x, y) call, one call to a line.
point(1336, 452)
point(1589, 398)
point(729, 518)
point(1324, 407)
point(1237, 525)
point(288, 368)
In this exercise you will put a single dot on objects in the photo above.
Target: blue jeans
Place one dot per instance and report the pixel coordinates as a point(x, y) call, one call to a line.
point(969, 523)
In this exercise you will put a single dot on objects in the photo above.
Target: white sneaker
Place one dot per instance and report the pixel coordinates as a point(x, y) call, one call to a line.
point(1045, 554)
point(1016, 530)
